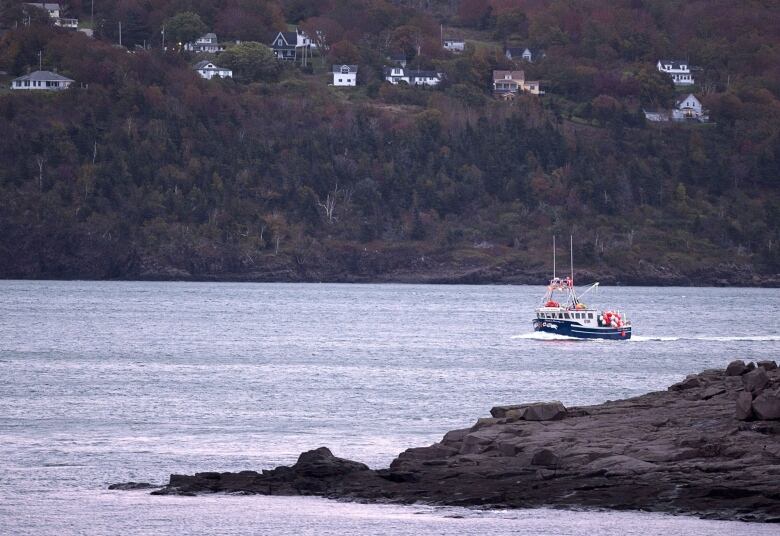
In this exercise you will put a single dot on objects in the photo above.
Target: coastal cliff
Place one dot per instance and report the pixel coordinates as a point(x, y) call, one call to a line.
point(707, 446)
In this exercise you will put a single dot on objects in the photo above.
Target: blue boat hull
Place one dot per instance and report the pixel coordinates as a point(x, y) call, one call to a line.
point(572, 329)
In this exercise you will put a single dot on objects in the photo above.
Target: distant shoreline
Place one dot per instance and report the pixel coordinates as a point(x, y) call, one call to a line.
point(471, 279)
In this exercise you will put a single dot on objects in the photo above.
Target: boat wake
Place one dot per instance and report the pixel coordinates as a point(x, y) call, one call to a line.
point(738, 338)
point(544, 336)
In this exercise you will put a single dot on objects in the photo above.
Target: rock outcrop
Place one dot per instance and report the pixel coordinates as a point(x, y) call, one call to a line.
point(683, 450)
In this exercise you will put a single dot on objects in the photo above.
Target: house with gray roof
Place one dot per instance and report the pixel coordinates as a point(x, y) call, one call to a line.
point(52, 8)
point(285, 46)
point(345, 75)
point(54, 11)
point(397, 74)
point(206, 69)
point(205, 43)
point(41, 80)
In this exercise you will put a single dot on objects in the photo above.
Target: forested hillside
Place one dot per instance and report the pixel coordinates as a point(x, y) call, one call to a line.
point(144, 170)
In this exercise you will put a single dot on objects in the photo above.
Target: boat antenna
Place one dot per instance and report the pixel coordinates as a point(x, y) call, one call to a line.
point(553, 256)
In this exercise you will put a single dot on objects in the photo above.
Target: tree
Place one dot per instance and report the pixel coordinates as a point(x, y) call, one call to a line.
point(185, 27)
point(251, 61)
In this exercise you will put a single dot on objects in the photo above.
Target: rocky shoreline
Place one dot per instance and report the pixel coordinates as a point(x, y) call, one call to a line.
point(708, 446)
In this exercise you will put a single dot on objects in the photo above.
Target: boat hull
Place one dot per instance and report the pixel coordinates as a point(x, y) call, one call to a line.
point(577, 331)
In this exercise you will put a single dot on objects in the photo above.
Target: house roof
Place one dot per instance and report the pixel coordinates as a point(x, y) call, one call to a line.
point(387, 70)
point(210, 35)
point(422, 74)
point(397, 56)
point(204, 66)
point(44, 5)
point(454, 40)
point(517, 76)
point(685, 98)
point(519, 51)
point(291, 38)
point(44, 76)
point(352, 68)
point(676, 64)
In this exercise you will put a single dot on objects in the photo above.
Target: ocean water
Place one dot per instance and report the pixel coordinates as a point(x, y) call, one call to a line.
point(104, 382)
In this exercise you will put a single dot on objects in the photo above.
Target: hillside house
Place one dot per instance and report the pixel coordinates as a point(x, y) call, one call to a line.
point(679, 70)
point(398, 74)
point(344, 75)
point(689, 108)
point(304, 40)
point(507, 84)
point(454, 45)
point(205, 43)
point(523, 54)
point(207, 69)
point(54, 10)
point(285, 46)
point(41, 80)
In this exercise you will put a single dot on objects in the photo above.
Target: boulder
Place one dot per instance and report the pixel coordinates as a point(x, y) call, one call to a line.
point(767, 365)
point(499, 412)
point(735, 368)
point(744, 406)
point(544, 411)
point(755, 380)
point(321, 462)
point(766, 406)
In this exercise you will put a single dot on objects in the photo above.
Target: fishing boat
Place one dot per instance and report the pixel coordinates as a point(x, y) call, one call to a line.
point(562, 311)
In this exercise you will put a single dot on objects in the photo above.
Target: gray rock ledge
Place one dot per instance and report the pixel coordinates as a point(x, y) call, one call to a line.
point(683, 450)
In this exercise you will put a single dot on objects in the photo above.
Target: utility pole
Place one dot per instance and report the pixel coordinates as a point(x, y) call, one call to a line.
point(92, 15)
point(40, 60)
point(120, 33)
point(163, 37)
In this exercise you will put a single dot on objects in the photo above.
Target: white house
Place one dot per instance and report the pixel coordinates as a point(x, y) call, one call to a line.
point(455, 45)
point(306, 41)
point(208, 70)
point(398, 74)
point(679, 70)
point(509, 83)
point(41, 80)
point(205, 43)
point(689, 108)
point(345, 75)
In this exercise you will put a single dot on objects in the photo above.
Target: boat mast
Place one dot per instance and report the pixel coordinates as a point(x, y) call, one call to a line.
point(553, 256)
point(574, 298)
point(571, 257)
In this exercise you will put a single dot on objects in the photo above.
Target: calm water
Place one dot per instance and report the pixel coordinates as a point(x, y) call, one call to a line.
point(110, 382)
